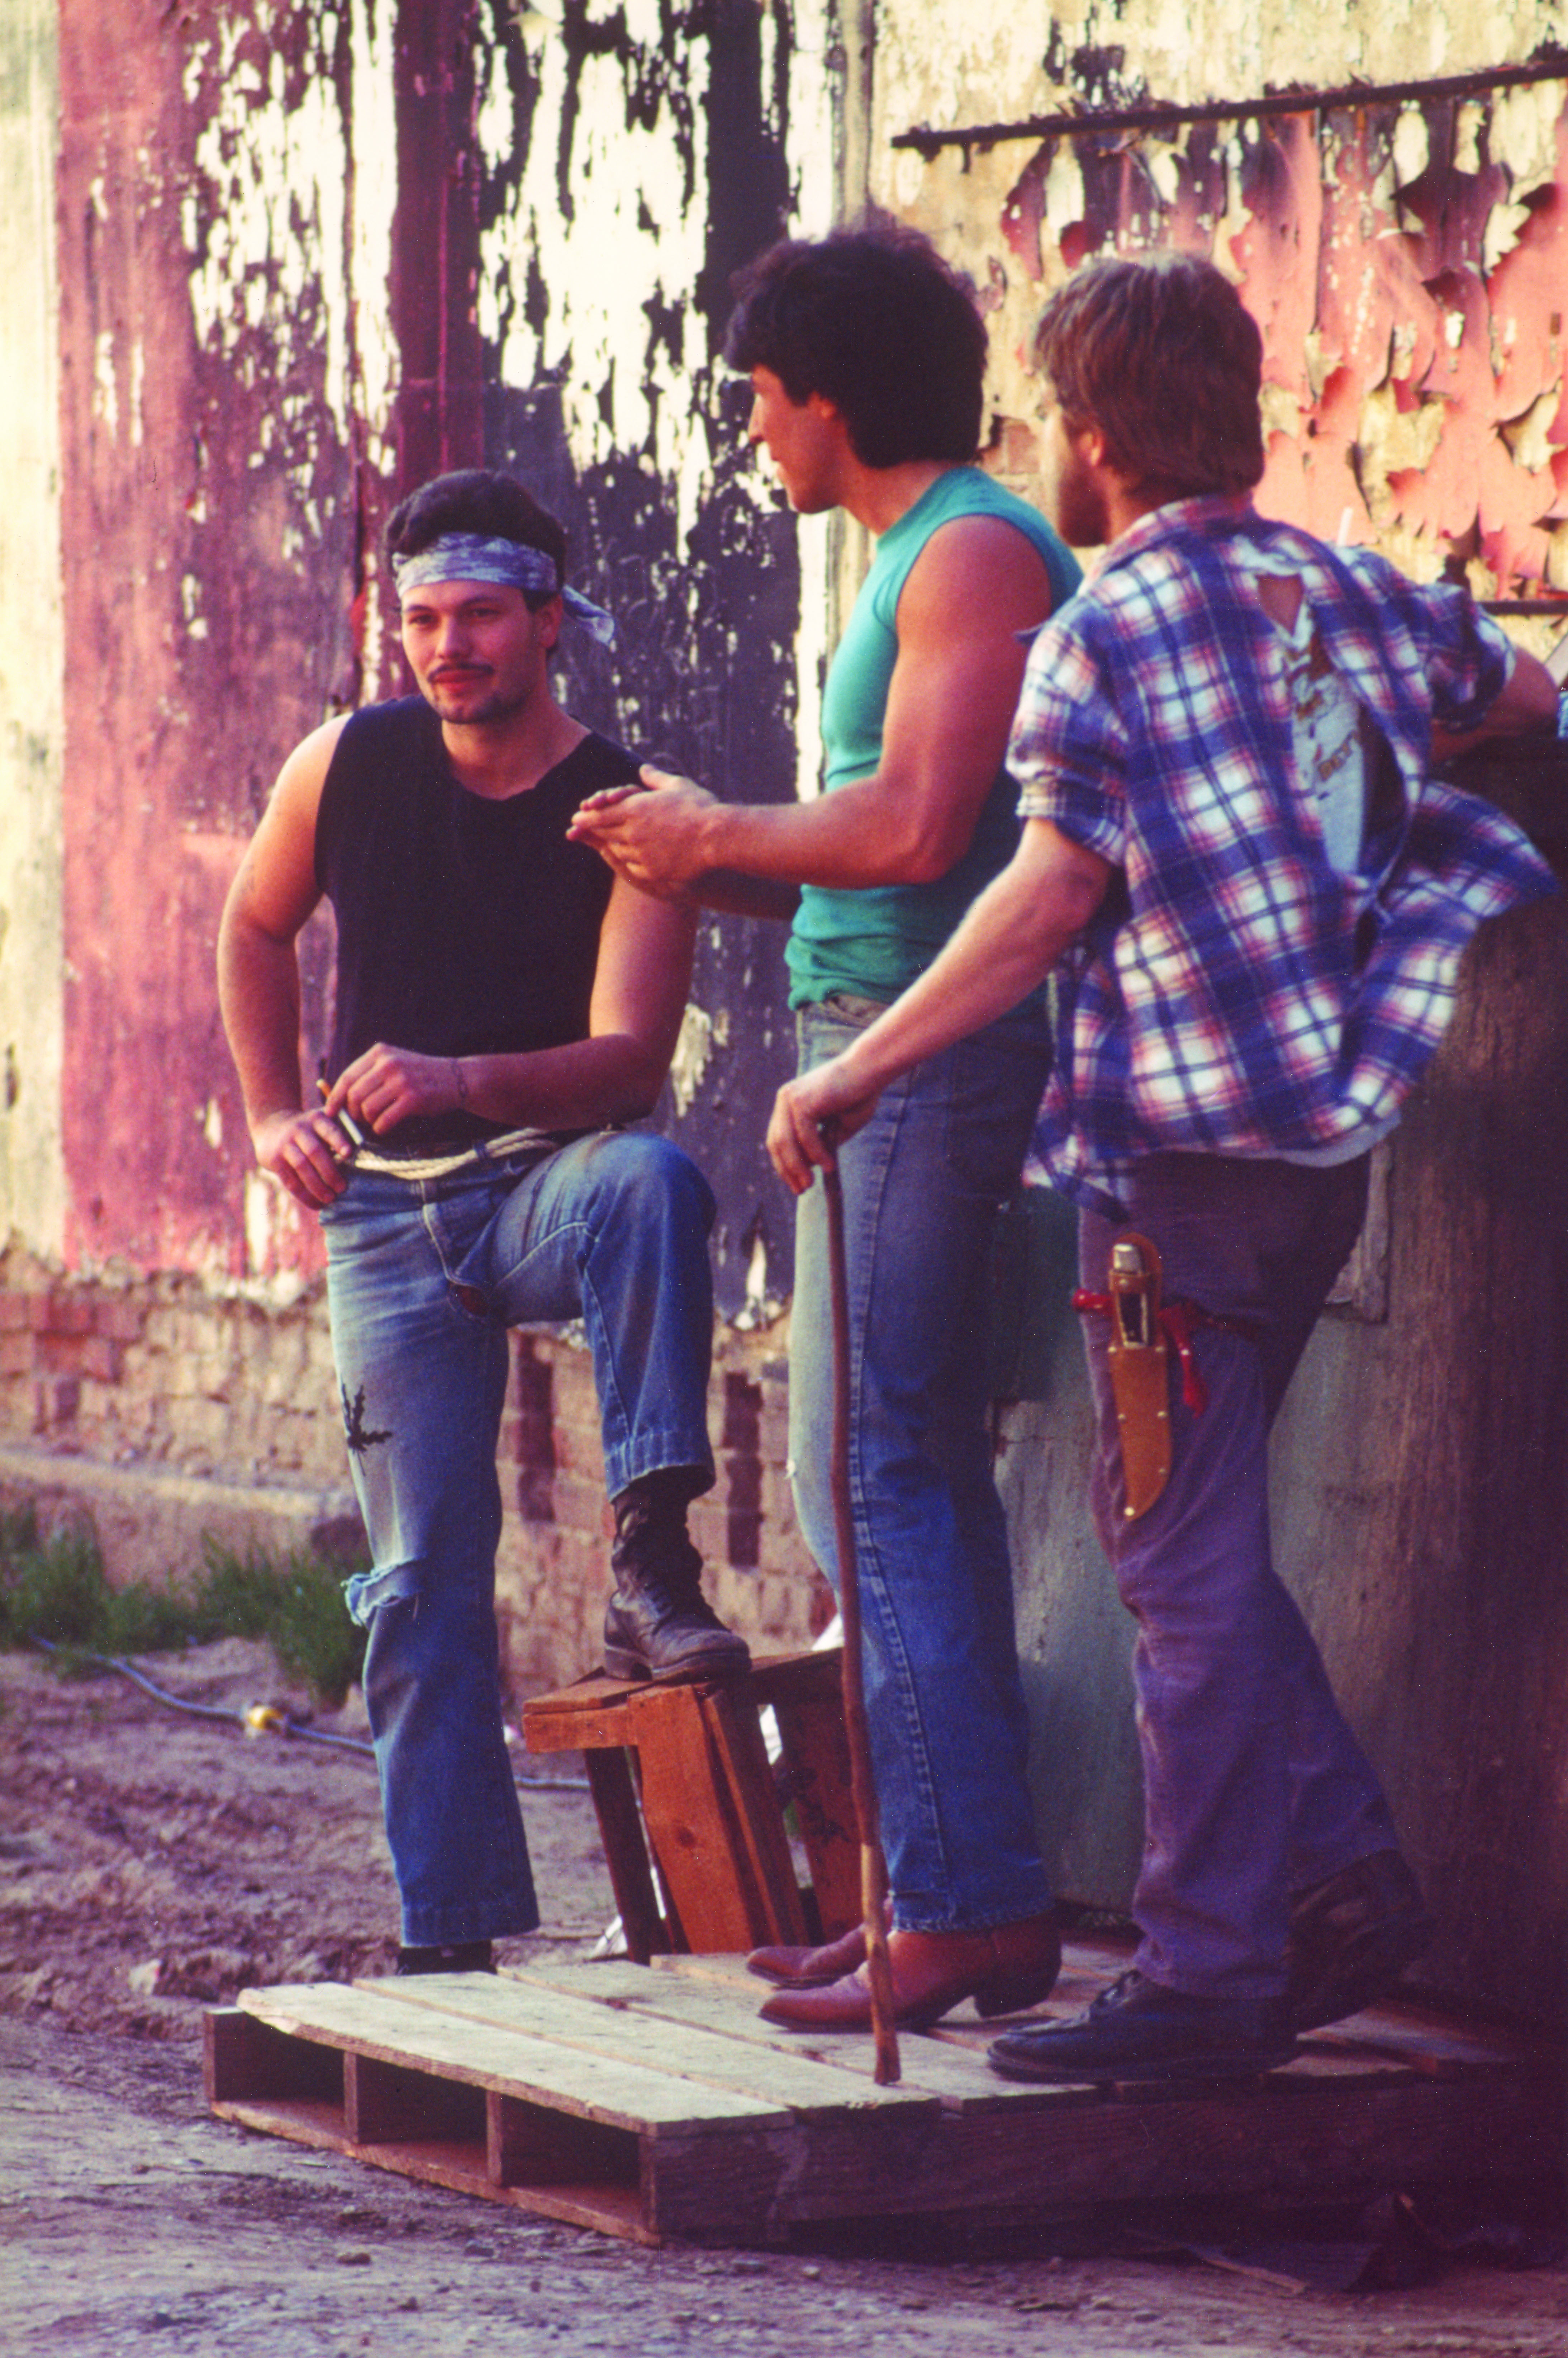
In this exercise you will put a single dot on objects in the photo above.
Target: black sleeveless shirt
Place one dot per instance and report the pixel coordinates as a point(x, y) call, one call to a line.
point(465, 927)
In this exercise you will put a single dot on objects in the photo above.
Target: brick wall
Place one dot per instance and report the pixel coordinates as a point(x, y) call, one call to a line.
point(164, 1409)
point(555, 1539)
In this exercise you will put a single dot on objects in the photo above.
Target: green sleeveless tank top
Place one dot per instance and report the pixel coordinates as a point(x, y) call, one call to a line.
point(873, 943)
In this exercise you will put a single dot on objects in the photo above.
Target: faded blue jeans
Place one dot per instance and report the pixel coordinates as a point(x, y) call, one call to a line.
point(1253, 1785)
point(949, 1731)
point(424, 1279)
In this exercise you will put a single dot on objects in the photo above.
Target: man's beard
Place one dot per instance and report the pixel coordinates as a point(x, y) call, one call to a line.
point(490, 704)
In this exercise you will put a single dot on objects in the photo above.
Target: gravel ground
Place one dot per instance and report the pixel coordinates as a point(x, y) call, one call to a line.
point(151, 1862)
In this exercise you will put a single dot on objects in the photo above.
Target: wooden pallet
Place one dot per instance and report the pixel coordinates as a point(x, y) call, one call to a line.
point(650, 2102)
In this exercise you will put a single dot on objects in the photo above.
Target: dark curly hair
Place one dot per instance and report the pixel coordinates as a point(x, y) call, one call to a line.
point(875, 321)
point(1160, 354)
point(477, 500)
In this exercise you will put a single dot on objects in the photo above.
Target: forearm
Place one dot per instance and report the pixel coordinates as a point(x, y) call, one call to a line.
point(258, 992)
point(1006, 946)
point(582, 1086)
point(859, 836)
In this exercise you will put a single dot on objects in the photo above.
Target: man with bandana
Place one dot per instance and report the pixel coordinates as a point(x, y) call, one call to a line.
point(502, 1005)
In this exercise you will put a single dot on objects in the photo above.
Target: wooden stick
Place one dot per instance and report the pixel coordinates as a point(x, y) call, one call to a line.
point(873, 1867)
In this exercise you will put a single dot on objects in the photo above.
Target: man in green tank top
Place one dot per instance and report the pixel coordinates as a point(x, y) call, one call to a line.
point(867, 360)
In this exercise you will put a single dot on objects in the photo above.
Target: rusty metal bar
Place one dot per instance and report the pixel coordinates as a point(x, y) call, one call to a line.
point(1155, 116)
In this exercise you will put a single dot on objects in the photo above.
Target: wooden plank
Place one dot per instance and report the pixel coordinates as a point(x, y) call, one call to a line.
point(393, 2104)
point(1323, 2143)
point(816, 1763)
point(244, 2057)
point(625, 1854)
point(602, 2024)
point(609, 2209)
point(587, 1717)
point(629, 2095)
point(692, 1828)
point(582, 1730)
point(317, 2125)
point(1430, 2044)
point(838, 2168)
point(955, 2077)
point(740, 1760)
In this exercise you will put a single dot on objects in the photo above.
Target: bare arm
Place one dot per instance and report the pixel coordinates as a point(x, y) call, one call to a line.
point(1007, 944)
point(258, 979)
point(977, 584)
point(724, 889)
point(638, 995)
point(640, 988)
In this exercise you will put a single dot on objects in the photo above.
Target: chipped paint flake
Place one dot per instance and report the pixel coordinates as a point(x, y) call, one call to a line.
point(1405, 260)
point(105, 390)
point(694, 1051)
point(1411, 145)
point(1530, 438)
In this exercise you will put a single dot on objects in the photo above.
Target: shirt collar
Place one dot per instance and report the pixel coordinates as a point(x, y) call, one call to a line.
point(1211, 514)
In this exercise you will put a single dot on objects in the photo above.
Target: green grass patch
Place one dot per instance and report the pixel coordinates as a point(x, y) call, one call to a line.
point(56, 1588)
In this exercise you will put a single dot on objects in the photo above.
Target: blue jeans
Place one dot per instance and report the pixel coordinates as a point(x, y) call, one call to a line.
point(424, 1279)
point(1254, 1786)
point(949, 1732)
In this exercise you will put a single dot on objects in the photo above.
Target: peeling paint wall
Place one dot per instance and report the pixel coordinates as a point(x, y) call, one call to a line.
point(633, 158)
point(1406, 261)
point(223, 181)
point(32, 650)
point(310, 252)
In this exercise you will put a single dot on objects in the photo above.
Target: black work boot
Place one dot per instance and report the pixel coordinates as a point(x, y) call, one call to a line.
point(455, 1957)
point(658, 1624)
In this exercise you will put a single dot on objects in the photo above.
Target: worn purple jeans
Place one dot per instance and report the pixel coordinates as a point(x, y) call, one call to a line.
point(1254, 1785)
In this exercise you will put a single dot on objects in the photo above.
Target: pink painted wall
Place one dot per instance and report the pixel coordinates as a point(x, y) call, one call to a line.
point(183, 486)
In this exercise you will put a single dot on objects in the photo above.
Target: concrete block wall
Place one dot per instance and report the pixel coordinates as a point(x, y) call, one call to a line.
point(163, 1411)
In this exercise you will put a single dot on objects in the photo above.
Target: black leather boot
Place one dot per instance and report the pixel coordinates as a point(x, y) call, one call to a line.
point(658, 1624)
point(455, 1957)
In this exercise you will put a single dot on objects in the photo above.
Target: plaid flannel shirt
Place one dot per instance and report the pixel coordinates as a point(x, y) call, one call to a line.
point(1235, 995)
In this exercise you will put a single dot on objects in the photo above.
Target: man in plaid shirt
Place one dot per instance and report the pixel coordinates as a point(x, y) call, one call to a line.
point(1256, 900)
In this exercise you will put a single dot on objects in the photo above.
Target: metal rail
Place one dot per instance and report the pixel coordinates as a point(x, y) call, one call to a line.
point(1154, 115)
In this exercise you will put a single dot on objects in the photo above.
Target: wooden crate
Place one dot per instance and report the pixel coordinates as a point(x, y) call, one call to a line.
point(681, 1782)
point(652, 2102)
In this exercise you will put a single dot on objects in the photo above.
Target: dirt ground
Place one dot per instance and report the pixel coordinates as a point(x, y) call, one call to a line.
point(151, 1862)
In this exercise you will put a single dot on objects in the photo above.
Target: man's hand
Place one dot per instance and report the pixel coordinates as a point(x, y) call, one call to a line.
point(306, 1153)
point(654, 839)
point(386, 1086)
point(812, 1115)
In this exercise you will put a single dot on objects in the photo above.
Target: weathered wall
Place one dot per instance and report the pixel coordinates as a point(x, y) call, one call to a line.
point(167, 1413)
point(32, 648)
point(632, 160)
point(221, 180)
point(1407, 259)
point(309, 256)
point(302, 257)
point(1404, 257)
